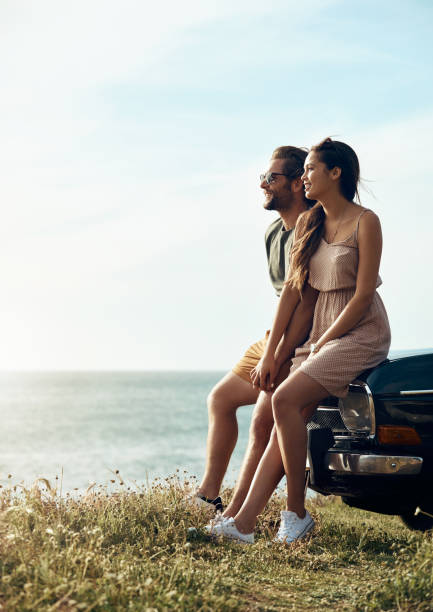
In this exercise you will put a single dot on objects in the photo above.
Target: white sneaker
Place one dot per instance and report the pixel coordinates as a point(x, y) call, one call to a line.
point(211, 527)
point(292, 527)
point(227, 529)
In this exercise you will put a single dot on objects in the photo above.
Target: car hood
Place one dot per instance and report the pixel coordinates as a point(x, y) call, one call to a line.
point(410, 373)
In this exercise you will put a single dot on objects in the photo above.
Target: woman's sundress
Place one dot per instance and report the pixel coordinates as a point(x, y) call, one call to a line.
point(333, 271)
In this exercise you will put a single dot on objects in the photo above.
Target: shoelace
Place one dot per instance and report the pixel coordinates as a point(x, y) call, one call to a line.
point(219, 518)
point(286, 525)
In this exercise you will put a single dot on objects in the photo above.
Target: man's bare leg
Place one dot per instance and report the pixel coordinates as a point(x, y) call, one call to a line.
point(260, 430)
point(269, 473)
point(223, 401)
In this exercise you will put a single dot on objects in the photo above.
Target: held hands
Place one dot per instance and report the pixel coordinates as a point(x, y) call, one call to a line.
point(266, 371)
point(264, 374)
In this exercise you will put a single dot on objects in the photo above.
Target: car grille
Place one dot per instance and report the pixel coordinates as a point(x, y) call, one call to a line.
point(328, 416)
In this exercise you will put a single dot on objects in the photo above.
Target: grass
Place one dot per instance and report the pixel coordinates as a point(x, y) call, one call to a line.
point(131, 550)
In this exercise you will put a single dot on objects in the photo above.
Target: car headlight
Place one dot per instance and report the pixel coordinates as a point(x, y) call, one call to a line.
point(357, 409)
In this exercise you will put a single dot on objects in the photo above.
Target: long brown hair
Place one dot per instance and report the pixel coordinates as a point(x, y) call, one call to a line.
point(310, 226)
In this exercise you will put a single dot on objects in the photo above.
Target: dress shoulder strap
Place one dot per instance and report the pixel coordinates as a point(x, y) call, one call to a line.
point(359, 219)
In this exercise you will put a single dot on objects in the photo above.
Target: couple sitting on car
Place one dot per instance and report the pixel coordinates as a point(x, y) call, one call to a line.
point(330, 325)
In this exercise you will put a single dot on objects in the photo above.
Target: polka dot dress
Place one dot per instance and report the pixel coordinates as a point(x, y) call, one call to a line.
point(333, 270)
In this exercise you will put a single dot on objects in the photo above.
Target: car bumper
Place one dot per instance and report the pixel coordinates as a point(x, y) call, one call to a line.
point(362, 463)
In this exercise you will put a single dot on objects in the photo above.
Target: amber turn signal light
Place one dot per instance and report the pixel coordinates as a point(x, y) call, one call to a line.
point(398, 434)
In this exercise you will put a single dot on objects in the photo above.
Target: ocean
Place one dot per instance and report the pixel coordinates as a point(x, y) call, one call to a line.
point(87, 425)
point(90, 424)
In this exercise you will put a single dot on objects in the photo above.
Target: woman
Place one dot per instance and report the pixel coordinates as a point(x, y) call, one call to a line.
point(337, 251)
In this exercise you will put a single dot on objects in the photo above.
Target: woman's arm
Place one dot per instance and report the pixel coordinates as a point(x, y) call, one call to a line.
point(370, 250)
point(263, 375)
point(299, 326)
point(287, 303)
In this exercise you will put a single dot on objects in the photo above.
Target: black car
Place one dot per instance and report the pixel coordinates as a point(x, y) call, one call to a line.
point(374, 448)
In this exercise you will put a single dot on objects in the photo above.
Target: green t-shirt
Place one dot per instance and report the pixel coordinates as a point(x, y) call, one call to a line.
point(278, 243)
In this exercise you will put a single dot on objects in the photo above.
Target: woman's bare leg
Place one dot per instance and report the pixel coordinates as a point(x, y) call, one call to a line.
point(293, 404)
point(269, 473)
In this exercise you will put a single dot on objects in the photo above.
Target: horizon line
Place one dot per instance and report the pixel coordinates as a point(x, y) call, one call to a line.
point(402, 353)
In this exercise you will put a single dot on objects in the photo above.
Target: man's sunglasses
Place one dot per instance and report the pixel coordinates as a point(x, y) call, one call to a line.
point(269, 177)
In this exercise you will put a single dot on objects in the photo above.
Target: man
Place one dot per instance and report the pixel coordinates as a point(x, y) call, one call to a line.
point(284, 193)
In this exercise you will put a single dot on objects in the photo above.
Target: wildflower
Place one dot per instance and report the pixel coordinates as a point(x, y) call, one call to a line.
point(49, 531)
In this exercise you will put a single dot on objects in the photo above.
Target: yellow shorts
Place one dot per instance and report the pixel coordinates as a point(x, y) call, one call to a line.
point(252, 356)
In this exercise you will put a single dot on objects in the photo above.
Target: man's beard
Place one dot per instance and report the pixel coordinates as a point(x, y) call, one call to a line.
point(276, 203)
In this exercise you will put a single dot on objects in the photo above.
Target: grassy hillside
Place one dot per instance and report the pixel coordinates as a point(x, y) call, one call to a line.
point(131, 550)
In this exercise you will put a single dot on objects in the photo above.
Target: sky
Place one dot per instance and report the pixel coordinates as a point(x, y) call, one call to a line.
point(132, 137)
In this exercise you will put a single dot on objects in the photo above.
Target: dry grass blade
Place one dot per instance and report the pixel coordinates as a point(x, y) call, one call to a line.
point(50, 489)
point(134, 550)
